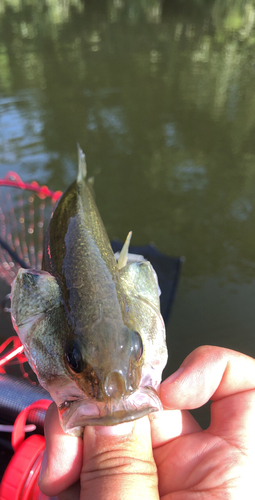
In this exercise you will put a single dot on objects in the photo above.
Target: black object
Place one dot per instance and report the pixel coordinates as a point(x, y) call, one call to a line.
point(15, 395)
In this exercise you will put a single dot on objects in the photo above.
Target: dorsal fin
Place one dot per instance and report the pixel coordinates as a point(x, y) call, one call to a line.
point(82, 167)
point(122, 260)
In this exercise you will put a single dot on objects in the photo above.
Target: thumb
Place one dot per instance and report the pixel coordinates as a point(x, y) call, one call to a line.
point(118, 463)
point(113, 463)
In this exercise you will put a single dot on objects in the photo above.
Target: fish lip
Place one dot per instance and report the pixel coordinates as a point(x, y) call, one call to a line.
point(83, 412)
point(114, 418)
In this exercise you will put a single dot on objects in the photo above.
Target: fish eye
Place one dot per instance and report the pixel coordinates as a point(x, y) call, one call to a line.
point(74, 358)
point(137, 346)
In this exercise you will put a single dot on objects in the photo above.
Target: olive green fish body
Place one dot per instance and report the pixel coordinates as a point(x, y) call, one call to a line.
point(77, 252)
point(91, 327)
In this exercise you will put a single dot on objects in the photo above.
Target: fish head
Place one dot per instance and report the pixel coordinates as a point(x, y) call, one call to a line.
point(89, 374)
point(106, 362)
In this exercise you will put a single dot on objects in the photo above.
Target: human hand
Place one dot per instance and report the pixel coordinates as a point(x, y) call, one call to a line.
point(168, 457)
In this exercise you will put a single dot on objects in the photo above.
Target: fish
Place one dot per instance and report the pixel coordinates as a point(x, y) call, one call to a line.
point(90, 325)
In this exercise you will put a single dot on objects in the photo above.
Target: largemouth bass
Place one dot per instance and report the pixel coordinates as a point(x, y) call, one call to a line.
point(91, 326)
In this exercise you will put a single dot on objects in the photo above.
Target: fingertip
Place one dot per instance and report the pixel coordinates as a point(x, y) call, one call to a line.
point(170, 424)
point(132, 436)
point(51, 417)
point(191, 385)
point(209, 372)
point(123, 429)
point(118, 465)
point(62, 460)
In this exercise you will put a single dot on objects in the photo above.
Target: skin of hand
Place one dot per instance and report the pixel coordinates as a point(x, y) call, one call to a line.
point(167, 456)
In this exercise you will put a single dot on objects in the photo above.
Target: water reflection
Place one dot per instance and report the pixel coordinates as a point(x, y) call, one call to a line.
point(22, 147)
point(187, 176)
point(241, 209)
point(161, 97)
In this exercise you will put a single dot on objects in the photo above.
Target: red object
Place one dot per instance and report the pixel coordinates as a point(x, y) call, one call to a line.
point(20, 480)
point(12, 179)
point(24, 213)
point(16, 352)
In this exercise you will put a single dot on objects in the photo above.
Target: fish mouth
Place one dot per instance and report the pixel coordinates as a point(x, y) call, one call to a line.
point(76, 414)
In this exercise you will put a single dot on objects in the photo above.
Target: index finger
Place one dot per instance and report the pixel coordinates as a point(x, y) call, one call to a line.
point(209, 372)
point(224, 376)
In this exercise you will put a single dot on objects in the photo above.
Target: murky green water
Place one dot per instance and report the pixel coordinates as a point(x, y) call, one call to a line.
point(161, 96)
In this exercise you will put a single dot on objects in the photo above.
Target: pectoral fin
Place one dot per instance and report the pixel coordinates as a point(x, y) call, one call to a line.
point(140, 279)
point(33, 294)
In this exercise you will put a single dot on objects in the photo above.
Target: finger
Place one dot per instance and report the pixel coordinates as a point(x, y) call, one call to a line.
point(228, 379)
point(118, 463)
point(169, 424)
point(62, 459)
point(208, 373)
